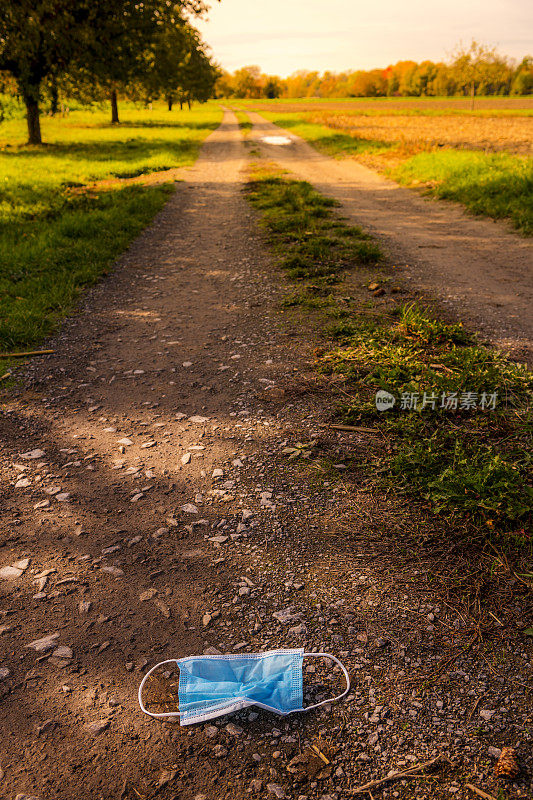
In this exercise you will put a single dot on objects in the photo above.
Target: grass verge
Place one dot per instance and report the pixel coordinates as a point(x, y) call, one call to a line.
point(464, 445)
point(58, 232)
point(244, 121)
point(497, 185)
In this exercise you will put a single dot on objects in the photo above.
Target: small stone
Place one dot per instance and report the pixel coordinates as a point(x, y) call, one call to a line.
point(49, 725)
point(31, 454)
point(115, 571)
point(218, 473)
point(23, 483)
point(244, 591)
point(233, 730)
point(62, 497)
point(211, 731)
point(218, 539)
point(196, 418)
point(41, 504)
point(298, 630)
point(98, 727)
point(44, 644)
point(164, 609)
point(255, 786)
point(63, 652)
point(276, 790)
point(146, 445)
point(4, 673)
point(125, 442)
point(286, 615)
point(186, 458)
point(495, 752)
point(189, 508)
point(206, 619)
point(10, 573)
point(166, 777)
point(84, 606)
point(486, 714)
point(219, 751)
point(27, 797)
point(147, 595)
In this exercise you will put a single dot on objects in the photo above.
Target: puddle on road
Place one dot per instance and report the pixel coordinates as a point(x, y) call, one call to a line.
point(276, 140)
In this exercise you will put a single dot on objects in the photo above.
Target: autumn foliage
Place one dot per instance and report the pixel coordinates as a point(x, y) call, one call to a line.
point(477, 66)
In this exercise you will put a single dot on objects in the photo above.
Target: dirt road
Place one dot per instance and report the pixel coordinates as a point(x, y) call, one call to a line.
point(478, 267)
point(148, 512)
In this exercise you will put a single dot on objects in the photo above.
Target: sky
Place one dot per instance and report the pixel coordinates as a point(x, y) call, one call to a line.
point(282, 36)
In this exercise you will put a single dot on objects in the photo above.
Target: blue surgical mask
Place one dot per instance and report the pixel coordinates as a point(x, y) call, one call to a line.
point(210, 686)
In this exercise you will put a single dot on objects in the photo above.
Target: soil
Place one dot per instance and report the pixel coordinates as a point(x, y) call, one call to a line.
point(490, 134)
point(127, 546)
point(516, 104)
point(478, 268)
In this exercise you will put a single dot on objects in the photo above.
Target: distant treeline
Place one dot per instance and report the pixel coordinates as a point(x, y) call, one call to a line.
point(475, 70)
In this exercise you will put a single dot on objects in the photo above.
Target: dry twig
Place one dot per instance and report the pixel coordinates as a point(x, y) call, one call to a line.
point(29, 353)
point(356, 428)
point(412, 772)
point(479, 792)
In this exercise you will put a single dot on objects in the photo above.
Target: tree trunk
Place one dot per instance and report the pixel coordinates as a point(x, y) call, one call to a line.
point(32, 116)
point(170, 102)
point(472, 95)
point(114, 107)
point(189, 103)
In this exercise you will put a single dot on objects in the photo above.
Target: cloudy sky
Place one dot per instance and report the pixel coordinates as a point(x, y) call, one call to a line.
point(282, 36)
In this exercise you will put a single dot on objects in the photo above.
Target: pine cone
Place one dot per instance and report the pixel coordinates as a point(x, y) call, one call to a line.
point(507, 764)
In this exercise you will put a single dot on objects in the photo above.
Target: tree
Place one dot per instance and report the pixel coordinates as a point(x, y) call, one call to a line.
point(273, 87)
point(198, 77)
point(39, 38)
point(470, 66)
point(177, 67)
point(247, 82)
point(522, 81)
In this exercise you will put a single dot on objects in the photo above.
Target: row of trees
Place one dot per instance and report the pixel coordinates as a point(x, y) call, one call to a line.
point(477, 69)
point(90, 49)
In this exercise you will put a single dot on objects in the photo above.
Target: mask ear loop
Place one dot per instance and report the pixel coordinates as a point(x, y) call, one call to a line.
point(346, 677)
point(143, 708)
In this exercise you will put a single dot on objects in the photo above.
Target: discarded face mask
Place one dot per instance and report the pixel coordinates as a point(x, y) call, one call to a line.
point(210, 686)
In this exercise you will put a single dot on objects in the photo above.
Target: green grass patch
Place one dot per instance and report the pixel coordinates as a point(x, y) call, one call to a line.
point(498, 185)
point(309, 239)
point(244, 121)
point(459, 435)
point(462, 459)
point(56, 238)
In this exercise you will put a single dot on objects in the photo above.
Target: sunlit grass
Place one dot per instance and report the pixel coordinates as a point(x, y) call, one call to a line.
point(496, 184)
point(56, 237)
